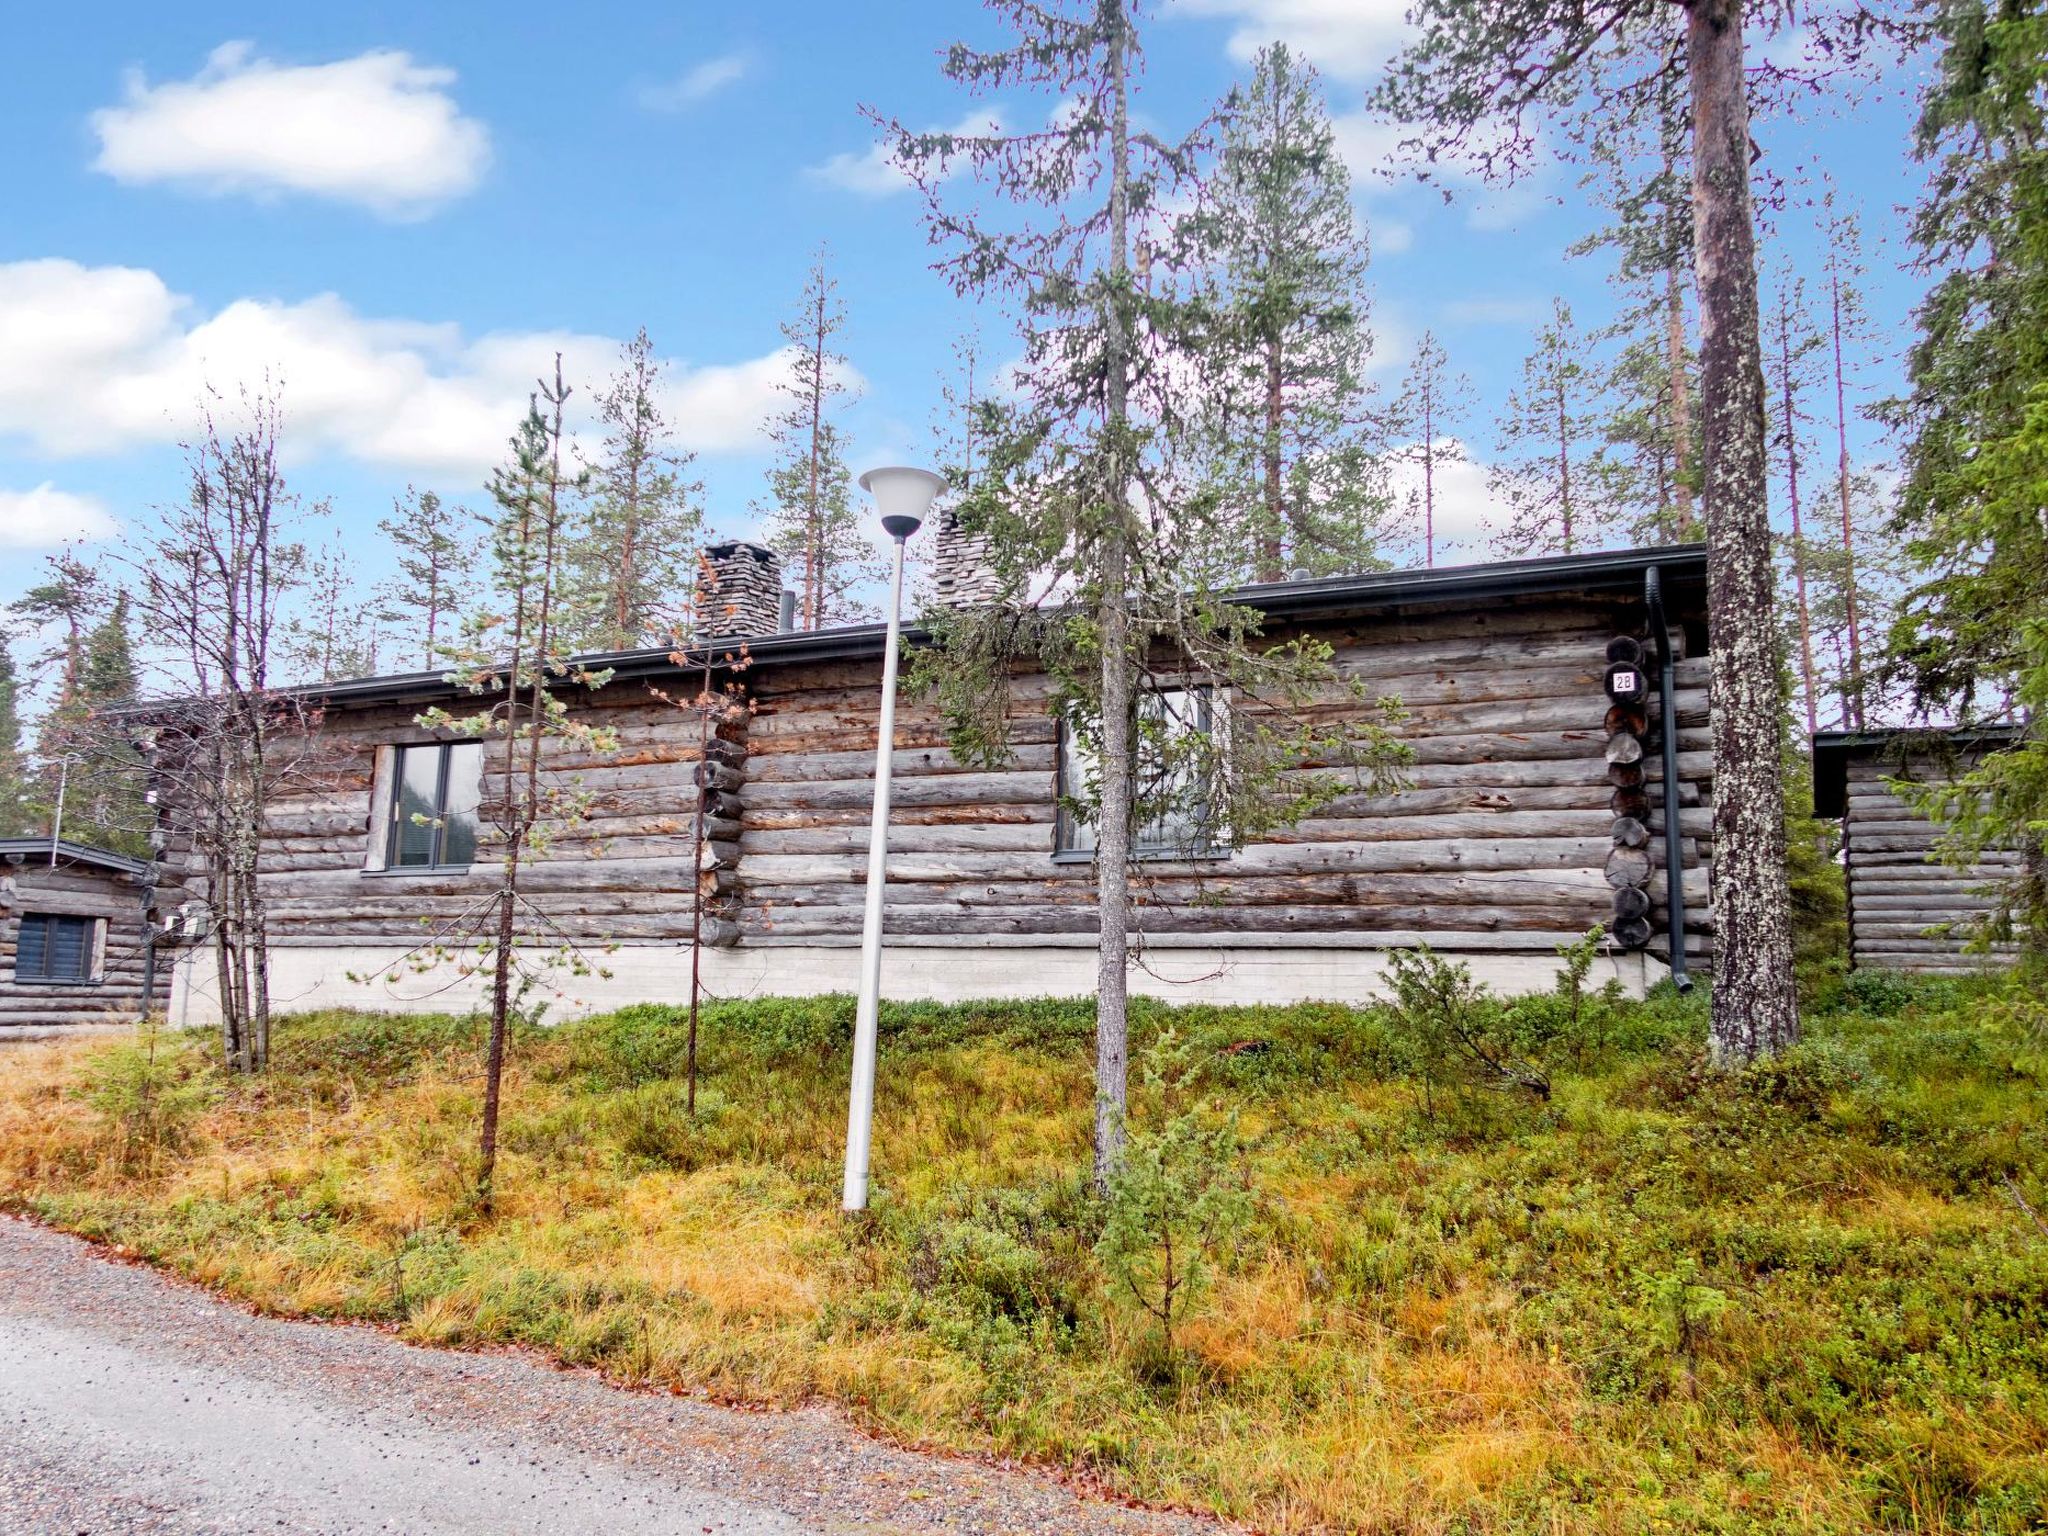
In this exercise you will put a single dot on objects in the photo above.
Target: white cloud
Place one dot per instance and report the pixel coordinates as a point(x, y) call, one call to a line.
point(875, 172)
point(1390, 237)
point(697, 83)
point(377, 129)
point(105, 358)
point(44, 517)
point(1347, 39)
point(1463, 506)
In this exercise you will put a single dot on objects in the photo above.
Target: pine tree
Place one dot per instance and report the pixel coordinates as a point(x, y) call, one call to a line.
point(334, 633)
point(71, 597)
point(1543, 470)
point(437, 552)
point(17, 789)
point(1474, 79)
point(810, 511)
point(1791, 352)
point(1637, 173)
point(1847, 326)
point(512, 655)
point(1429, 412)
point(1286, 363)
point(1972, 637)
point(1098, 537)
point(632, 558)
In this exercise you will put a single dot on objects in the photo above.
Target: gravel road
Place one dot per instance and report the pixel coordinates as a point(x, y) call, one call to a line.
point(133, 1403)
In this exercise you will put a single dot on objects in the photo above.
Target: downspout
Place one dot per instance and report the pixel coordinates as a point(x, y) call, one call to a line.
point(1667, 730)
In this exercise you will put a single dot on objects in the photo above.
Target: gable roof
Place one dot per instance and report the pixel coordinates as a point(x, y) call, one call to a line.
point(1833, 749)
point(1617, 571)
point(21, 850)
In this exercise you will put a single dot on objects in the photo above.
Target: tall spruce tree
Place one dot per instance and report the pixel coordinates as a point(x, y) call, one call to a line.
point(333, 634)
point(810, 513)
point(1543, 472)
point(438, 550)
point(631, 560)
point(1288, 411)
point(68, 601)
point(1429, 414)
point(1848, 320)
point(1475, 80)
point(1972, 636)
point(1101, 545)
point(1791, 358)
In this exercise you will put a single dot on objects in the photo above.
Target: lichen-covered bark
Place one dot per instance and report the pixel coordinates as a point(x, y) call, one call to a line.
point(1755, 1010)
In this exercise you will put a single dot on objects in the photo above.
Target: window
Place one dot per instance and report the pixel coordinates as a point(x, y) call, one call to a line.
point(48, 948)
point(434, 795)
point(1181, 819)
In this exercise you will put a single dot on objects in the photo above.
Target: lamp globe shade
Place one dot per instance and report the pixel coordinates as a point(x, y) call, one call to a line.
point(904, 496)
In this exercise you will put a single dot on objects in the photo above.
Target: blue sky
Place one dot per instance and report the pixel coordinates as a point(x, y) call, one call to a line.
point(405, 209)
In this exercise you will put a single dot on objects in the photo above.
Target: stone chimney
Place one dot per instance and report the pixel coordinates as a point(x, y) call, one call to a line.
point(739, 592)
point(961, 575)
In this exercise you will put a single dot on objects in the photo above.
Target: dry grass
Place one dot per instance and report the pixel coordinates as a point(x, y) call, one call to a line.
point(1435, 1324)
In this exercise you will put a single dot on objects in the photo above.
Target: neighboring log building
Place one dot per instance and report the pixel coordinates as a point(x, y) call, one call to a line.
point(1908, 909)
point(77, 936)
point(1533, 811)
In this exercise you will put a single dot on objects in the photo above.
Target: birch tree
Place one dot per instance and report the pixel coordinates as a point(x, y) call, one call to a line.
point(1479, 77)
point(212, 581)
point(1100, 547)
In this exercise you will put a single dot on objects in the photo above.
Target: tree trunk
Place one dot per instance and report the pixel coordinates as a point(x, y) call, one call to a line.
point(1272, 560)
point(1564, 460)
point(1755, 1010)
point(1428, 475)
point(1681, 402)
point(1113, 838)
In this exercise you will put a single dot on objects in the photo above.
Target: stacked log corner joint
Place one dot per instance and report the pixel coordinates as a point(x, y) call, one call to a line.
point(1628, 864)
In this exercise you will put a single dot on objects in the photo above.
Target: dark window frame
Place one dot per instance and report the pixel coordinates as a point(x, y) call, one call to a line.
point(1066, 824)
point(88, 950)
point(395, 822)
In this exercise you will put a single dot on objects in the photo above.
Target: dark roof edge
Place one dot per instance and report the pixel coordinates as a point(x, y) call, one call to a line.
point(1612, 570)
point(81, 853)
point(1833, 749)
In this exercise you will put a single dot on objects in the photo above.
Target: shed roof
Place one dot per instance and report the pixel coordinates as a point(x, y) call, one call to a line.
point(1833, 749)
point(19, 850)
point(1324, 598)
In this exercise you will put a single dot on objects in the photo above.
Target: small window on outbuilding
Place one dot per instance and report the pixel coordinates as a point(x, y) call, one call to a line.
point(1181, 822)
point(52, 948)
point(435, 791)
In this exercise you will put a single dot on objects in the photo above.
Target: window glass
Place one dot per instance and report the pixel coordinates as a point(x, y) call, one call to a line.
point(458, 812)
point(416, 805)
point(53, 948)
point(436, 790)
point(1179, 821)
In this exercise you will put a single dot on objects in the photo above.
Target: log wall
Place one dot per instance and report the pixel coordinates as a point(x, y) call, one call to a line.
point(1505, 828)
point(78, 889)
point(1502, 840)
point(1908, 910)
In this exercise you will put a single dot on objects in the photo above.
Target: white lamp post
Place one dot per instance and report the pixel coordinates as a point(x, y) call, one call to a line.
point(905, 498)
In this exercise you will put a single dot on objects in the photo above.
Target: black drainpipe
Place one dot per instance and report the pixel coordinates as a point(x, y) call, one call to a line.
point(1667, 728)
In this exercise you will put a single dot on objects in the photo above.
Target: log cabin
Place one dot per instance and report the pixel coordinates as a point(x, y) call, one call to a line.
point(1535, 807)
point(1909, 908)
point(78, 937)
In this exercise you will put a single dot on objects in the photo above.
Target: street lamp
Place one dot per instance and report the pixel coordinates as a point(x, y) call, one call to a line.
point(904, 497)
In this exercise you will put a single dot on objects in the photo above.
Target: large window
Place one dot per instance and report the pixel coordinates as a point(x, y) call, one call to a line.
point(434, 796)
point(49, 948)
point(1176, 816)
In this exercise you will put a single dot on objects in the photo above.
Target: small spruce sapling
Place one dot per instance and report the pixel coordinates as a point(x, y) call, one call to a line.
point(1177, 1199)
point(1450, 1026)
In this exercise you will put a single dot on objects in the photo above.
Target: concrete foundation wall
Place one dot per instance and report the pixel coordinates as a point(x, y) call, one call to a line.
point(305, 977)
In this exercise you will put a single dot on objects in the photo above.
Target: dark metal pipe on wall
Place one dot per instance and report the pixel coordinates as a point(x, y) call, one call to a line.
point(1667, 730)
